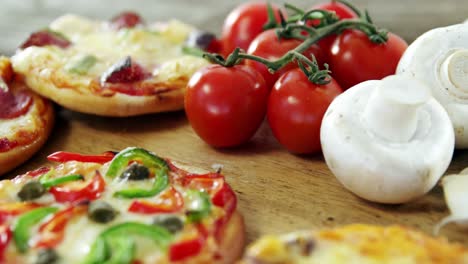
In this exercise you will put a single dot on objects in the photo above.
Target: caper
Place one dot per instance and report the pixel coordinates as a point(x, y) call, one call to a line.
point(47, 256)
point(101, 212)
point(31, 190)
point(136, 172)
point(172, 223)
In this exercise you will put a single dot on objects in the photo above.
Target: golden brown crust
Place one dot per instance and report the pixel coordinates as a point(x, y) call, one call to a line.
point(233, 243)
point(19, 154)
point(117, 105)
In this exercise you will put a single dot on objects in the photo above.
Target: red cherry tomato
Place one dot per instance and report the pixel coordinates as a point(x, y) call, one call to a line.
point(341, 10)
point(244, 23)
point(225, 106)
point(354, 58)
point(268, 46)
point(295, 110)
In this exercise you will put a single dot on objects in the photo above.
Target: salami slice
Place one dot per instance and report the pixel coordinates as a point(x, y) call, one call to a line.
point(14, 105)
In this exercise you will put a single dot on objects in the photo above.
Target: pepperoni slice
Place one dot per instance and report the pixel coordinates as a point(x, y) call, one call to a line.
point(14, 105)
point(126, 20)
point(6, 145)
point(45, 38)
point(125, 71)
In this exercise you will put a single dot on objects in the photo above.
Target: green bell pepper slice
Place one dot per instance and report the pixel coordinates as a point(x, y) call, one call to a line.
point(148, 159)
point(198, 205)
point(57, 181)
point(23, 225)
point(82, 66)
point(115, 244)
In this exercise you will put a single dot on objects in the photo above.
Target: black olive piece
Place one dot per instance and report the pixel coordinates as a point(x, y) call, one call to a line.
point(46, 256)
point(136, 172)
point(31, 190)
point(200, 39)
point(172, 223)
point(101, 212)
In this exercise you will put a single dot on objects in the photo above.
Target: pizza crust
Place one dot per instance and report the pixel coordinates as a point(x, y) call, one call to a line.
point(233, 243)
point(16, 156)
point(117, 105)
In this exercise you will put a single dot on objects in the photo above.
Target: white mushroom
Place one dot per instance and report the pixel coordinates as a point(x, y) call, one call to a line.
point(440, 59)
point(386, 142)
point(456, 196)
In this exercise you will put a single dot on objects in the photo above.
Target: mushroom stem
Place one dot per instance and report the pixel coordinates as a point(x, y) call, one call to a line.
point(392, 109)
point(455, 70)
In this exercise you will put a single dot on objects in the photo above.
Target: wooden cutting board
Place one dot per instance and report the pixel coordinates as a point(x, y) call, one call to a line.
point(277, 191)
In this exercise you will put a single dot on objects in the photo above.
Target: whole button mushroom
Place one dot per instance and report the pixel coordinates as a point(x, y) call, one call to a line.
point(439, 58)
point(387, 141)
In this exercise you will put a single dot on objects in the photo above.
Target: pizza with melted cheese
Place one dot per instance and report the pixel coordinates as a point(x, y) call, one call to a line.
point(356, 244)
point(121, 67)
point(127, 207)
point(26, 119)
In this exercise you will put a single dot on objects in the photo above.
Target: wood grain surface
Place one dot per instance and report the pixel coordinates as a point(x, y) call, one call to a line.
point(278, 192)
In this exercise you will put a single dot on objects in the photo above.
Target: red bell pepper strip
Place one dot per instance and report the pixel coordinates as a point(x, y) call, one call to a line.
point(225, 198)
point(146, 207)
point(210, 182)
point(91, 191)
point(5, 238)
point(12, 209)
point(51, 233)
point(38, 172)
point(188, 248)
point(62, 156)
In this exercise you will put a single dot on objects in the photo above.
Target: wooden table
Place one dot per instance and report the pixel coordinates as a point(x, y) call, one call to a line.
point(278, 192)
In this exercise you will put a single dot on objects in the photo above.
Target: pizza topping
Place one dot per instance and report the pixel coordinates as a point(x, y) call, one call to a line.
point(47, 256)
point(101, 212)
point(62, 156)
point(170, 201)
point(172, 223)
point(116, 244)
point(5, 237)
point(14, 105)
point(124, 71)
point(24, 223)
point(135, 172)
point(188, 248)
point(47, 183)
point(157, 166)
point(83, 65)
point(31, 190)
point(90, 192)
point(126, 20)
point(8, 209)
point(52, 232)
point(198, 205)
point(45, 38)
point(202, 40)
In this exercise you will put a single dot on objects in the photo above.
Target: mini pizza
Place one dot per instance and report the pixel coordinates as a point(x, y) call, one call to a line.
point(120, 67)
point(363, 244)
point(126, 207)
point(26, 119)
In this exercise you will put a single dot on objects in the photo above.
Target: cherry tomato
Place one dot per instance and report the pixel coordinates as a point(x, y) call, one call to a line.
point(354, 58)
point(341, 10)
point(244, 23)
point(268, 46)
point(225, 106)
point(295, 110)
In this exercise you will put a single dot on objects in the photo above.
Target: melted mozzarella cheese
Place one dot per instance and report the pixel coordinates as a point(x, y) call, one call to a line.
point(157, 51)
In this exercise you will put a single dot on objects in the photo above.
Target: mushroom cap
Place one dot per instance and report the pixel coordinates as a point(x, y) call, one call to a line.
point(375, 168)
point(439, 58)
